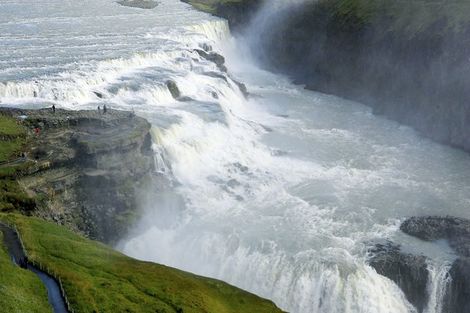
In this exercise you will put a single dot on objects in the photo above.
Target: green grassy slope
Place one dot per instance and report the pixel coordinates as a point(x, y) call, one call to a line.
point(13, 137)
point(99, 279)
point(408, 16)
point(20, 290)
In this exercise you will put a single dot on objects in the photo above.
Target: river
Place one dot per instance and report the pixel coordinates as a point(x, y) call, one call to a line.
point(280, 193)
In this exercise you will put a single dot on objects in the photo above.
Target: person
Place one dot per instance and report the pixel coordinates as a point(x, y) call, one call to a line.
point(53, 108)
point(104, 109)
point(23, 262)
point(99, 109)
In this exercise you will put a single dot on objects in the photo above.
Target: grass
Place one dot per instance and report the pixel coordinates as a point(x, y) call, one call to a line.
point(408, 16)
point(13, 197)
point(99, 279)
point(13, 140)
point(9, 126)
point(20, 290)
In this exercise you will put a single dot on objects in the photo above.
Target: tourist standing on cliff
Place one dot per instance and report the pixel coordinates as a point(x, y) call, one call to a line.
point(53, 108)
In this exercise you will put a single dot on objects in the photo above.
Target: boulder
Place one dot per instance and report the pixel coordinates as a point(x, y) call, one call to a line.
point(173, 88)
point(431, 228)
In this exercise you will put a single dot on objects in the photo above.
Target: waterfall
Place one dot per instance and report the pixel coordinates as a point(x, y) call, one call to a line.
point(438, 283)
point(278, 192)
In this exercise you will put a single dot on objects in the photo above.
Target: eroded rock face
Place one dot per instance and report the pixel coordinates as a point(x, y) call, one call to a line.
point(408, 271)
point(457, 299)
point(89, 168)
point(457, 232)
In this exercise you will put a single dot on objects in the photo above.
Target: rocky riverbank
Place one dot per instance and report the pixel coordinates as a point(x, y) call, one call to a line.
point(83, 169)
point(408, 60)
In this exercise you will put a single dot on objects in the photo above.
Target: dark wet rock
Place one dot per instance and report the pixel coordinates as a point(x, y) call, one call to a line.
point(430, 228)
point(173, 88)
point(206, 47)
point(408, 271)
point(185, 99)
point(214, 95)
point(242, 88)
point(141, 4)
point(219, 60)
point(216, 75)
point(457, 299)
point(98, 94)
point(216, 58)
point(88, 168)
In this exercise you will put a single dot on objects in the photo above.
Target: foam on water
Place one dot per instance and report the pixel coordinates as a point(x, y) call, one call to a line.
point(280, 193)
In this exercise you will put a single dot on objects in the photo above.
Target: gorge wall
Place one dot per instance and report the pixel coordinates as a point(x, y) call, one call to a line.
point(408, 60)
point(83, 169)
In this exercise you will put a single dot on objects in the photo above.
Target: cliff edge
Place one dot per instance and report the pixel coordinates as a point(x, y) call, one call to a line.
point(83, 169)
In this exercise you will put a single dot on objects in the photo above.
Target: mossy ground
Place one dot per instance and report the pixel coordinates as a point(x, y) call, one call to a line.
point(99, 279)
point(21, 291)
point(13, 137)
point(407, 16)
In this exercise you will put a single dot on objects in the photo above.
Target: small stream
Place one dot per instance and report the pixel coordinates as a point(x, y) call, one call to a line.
point(13, 244)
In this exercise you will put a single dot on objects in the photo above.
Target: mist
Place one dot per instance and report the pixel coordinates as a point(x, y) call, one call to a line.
point(408, 60)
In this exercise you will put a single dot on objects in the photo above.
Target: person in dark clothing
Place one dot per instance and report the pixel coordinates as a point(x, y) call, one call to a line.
point(53, 108)
point(99, 109)
point(105, 109)
point(23, 262)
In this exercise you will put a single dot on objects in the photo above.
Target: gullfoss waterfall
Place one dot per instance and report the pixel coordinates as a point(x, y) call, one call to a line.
point(280, 192)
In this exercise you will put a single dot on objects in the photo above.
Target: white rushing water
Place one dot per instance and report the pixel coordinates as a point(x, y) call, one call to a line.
point(279, 193)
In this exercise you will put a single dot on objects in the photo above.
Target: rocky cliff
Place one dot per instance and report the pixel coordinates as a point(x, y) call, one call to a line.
point(408, 60)
point(410, 272)
point(237, 12)
point(84, 169)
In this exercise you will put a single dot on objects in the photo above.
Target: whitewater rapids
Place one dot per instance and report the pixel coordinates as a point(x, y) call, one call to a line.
point(279, 193)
